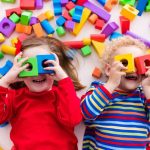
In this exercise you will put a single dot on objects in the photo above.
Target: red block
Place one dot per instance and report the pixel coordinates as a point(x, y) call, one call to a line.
point(9, 12)
point(27, 4)
point(70, 5)
point(18, 46)
point(125, 24)
point(66, 15)
point(98, 37)
point(141, 63)
point(81, 2)
point(74, 44)
point(99, 24)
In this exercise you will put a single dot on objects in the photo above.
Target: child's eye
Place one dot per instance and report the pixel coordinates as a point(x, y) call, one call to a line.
point(44, 65)
point(124, 62)
point(29, 68)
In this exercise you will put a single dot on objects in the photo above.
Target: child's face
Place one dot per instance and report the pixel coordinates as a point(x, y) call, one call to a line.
point(132, 80)
point(41, 82)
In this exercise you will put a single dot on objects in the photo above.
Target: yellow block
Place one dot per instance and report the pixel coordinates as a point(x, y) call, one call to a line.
point(99, 47)
point(129, 12)
point(1, 148)
point(2, 38)
point(86, 13)
point(14, 41)
point(127, 60)
point(8, 49)
point(86, 41)
point(148, 51)
point(49, 15)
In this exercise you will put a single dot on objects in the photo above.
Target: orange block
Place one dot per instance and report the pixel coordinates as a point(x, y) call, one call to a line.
point(96, 73)
point(23, 28)
point(38, 30)
point(109, 4)
point(92, 19)
point(42, 17)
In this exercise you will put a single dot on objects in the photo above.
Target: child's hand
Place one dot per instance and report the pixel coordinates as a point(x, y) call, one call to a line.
point(59, 72)
point(12, 75)
point(115, 74)
point(146, 78)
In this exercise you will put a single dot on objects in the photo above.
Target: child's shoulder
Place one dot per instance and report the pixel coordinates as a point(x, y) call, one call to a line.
point(97, 83)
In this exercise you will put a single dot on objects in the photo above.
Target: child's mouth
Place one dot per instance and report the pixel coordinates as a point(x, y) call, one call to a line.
point(39, 80)
point(131, 77)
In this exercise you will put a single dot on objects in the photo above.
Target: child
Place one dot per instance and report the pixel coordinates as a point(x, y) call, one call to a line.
point(42, 114)
point(115, 112)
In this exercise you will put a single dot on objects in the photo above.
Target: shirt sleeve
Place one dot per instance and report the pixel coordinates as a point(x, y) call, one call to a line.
point(95, 100)
point(6, 104)
point(68, 104)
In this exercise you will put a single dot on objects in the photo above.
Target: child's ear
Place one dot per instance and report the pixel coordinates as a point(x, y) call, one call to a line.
point(107, 69)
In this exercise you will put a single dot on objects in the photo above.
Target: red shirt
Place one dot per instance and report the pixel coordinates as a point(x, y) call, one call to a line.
point(42, 121)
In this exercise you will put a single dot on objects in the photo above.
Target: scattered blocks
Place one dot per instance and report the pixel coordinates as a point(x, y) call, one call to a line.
point(86, 41)
point(81, 2)
point(125, 24)
point(98, 37)
point(17, 11)
point(69, 25)
point(2, 38)
point(27, 4)
point(23, 28)
point(66, 15)
point(96, 72)
point(49, 15)
point(57, 7)
point(102, 2)
point(130, 2)
point(47, 27)
point(1, 55)
point(115, 35)
point(42, 17)
point(74, 44)
point(14, 18)
point(38, 4)
point(71, 12)
point(92, 19)
point(86, 50)
point(9, 1)
point(60, 31)
point(25, 17)
point(64, 2)
point(148, 6)
point(99, 24)
point(14, 41)
point(60, 21)
point(141, 5)
point(33, 20)
point(70, 5)
point(109, 4)
point(8, 49)
point(38, 30)
point(127, 60)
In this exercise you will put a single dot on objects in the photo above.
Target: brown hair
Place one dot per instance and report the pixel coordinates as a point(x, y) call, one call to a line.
point(59, 49)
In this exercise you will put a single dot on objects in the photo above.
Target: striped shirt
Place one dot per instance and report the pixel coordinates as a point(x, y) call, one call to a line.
point(117, 121)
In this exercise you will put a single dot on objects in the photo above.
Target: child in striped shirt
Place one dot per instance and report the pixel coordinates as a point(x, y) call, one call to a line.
point(116, 112)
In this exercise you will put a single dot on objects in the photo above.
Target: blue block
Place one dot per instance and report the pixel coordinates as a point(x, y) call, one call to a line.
point(141, 5)
point(47, 27)
point(60, 21)
point(57, 7)
point(102, 2)
point(41, 59)
point(4, 124)
point(74, 1)
point(77, 14)
point(115, 35)
point(5, 68)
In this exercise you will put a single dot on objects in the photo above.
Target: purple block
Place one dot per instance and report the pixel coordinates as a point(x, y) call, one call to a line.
point(33, 21)
point(109, 29)
point(7, 27)
point(64, 2)
point(97, 10)
point(146, 42)
point(69, 25)
point(38, 4)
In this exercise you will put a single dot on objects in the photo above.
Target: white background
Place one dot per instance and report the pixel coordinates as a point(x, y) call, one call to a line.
point(140, 26)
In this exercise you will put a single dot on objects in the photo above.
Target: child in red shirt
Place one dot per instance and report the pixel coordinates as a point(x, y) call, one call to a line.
point(42, 114)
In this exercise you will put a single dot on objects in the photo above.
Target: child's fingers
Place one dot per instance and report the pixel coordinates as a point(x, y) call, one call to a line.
point(50, 68)
point(53, 62)
point(22, 61)
point(56, 57)
point(17, 57)
point(24, 67)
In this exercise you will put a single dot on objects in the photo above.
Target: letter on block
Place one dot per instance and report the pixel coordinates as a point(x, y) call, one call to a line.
point(128, 61)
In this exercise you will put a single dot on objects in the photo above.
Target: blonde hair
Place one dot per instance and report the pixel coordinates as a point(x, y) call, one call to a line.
point(115, 44)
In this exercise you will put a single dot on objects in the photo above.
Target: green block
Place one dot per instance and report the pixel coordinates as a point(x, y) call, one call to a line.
point(25, 17)
point(86, 50)
point(9, 1)
point(60, 31)
point(33, 68)
point(148, 7)
point(1, 55)
point(130, 2)
point(71, 12)
point(14, 18)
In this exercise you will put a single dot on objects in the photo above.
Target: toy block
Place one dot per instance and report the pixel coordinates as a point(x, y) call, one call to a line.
point(130, 2)
point(99, 24)
point(129, 12)
point(109, 29)
point(115, 35)
point(1, 55)
point(60, 31)
point(64, 2)
point(74, 44)
point(71, 11)
point(47, 27)
point(25, 17)
point(14, 18)
point(81, 2)
point(96, 72)
point(145, 41)
point(2, 38)
point(86, 13)
point(27, 4)
point(71, 53)
point(20, 28)
point(69, 25)
point(42, 17)
point(141, 5)
point(8, 49)
point(141, 63)
point(49, 15)
point(77, 14)
point(32, 70)
point(38, 4)
point(22, 37)
point(5, 68)
point(147, 9)
point(41, 59)
point(127, 60)
point(57, 7)
point(14, 41)
point(92, 19)
point(18, 47)
point(109, 4)
point(125, 24)
point(60, 21)
point(98, 47)
point(17, 11)
point(74, 1)
point(103, 14)
point(38, 30)
point(86, 50)
point(102, 2)
point(8, 1)
point(66, 15)
point(98, 37)
point(7, 27)
point(86, 41)
point(70, 5)
point(33, 20)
